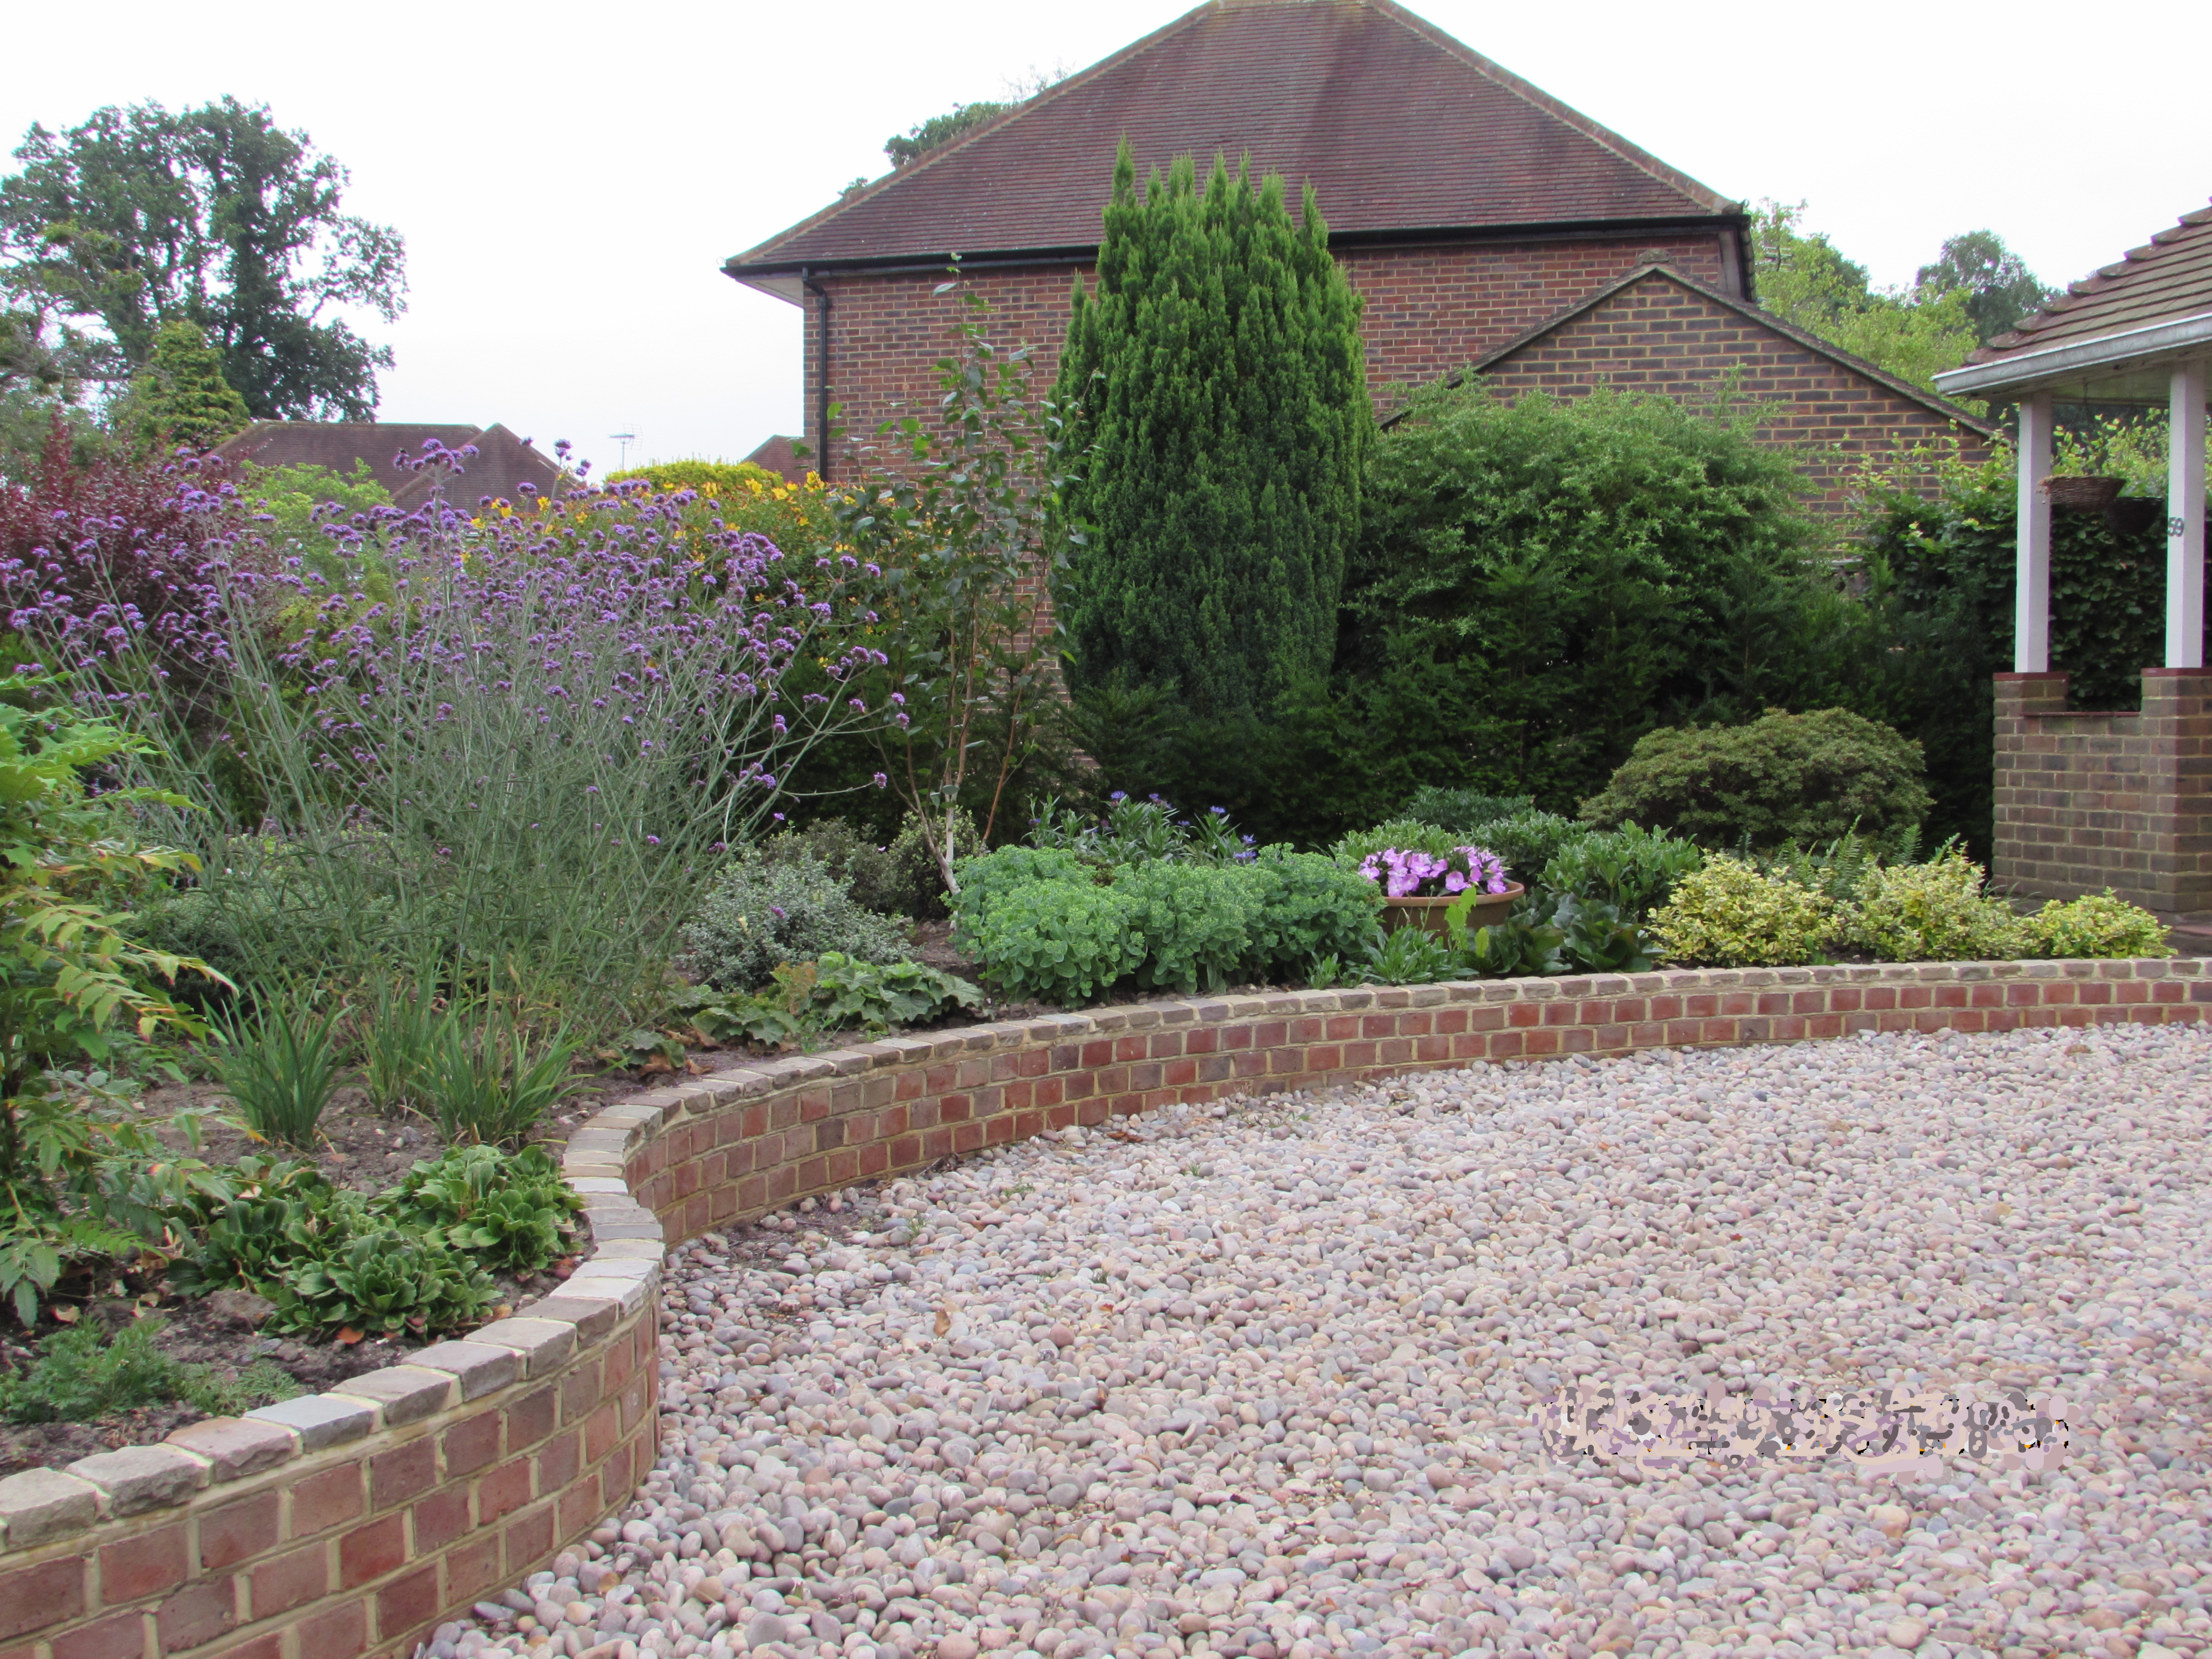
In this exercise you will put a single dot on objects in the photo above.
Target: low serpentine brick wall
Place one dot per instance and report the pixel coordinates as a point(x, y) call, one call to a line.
point(353, 1521)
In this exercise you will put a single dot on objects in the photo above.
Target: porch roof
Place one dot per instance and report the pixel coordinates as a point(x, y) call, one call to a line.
point(2113, 336)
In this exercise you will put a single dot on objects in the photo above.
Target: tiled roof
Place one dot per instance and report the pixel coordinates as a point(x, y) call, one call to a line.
point(502, 461)
point(2168, 278)
point(1398, 126)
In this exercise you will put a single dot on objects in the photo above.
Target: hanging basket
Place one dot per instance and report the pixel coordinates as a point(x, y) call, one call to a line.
point(2132, 515)
point(2089, 494)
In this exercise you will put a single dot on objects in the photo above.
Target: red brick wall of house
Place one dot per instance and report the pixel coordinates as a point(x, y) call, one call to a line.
point(1657, 335)
point(1429, 312)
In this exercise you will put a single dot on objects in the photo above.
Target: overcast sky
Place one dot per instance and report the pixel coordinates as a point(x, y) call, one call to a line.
point(570, 179)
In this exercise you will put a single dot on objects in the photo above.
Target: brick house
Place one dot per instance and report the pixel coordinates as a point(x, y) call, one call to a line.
point(1485, 223)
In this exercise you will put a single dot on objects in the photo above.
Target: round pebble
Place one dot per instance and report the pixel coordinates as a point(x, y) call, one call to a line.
point(1257, 1379)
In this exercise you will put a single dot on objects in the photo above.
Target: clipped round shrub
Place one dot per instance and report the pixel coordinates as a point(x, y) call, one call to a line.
point(1727, 914)
point(760, 914)
point(1784, 777)
point(1306, 905)
point(1061, 942)
point(708, 478)
point(1935, 912)
point(2095, 925)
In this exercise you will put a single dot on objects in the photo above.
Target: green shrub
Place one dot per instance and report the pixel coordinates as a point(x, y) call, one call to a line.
point(920, 884)
point(1527, 842)
point(1728, 915)
point(760, 913)
point(1194, 920)
point(1837, 869)
point(1057, 941)
point(1935, 912)
point(2095, 925)
point(1136, 831)
point(1461, 810)
point(77, 1378)
point(1784, 777)
point(1631, 870)
point(1305, 906)
point(386, 1281)
point(873, 875)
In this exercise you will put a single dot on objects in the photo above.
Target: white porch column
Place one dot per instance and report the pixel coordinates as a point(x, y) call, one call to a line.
point(2031, 628)
point(2184, 520)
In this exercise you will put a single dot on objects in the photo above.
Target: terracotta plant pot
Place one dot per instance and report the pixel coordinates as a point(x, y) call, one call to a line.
point(2090, 494)
point(1429, 912)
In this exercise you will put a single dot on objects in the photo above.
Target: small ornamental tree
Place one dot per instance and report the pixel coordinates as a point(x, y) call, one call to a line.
point(180, 397)
point(1216, 389)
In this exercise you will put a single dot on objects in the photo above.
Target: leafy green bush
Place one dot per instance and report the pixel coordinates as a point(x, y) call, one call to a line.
point(1632, 870)
point(1408, 835)
point(1838, 869)
point(985, 880)
point(838, 993)
point(1305, 906)
point(920, 883)
point(386, 1281)
point(1728, 915)
point(1194, 920)
point(1529, 840)
point(1784, 777)
point(873, 875)
point(2095, 925)
point(511, 1213)
point(1461, 810)
point(1935, 912)
point(760, 913)
point(1059, 941)
point(280, 1064)
point(78, 1379)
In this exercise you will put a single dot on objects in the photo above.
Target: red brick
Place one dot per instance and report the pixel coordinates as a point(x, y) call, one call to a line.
point(290, 1580)
point(404, 1472)
point(407, 1604)
point(326, 1500)
point(197, 1614)
point(235, 1532)
point(440, 1519)
point(149, 1564)
point(338, 1633)
point(49, 1594)
point(469, 1446)
point(119, 1636)
point(372, 1551)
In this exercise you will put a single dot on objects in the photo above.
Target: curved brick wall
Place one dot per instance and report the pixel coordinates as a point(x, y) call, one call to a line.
point(354, 1521)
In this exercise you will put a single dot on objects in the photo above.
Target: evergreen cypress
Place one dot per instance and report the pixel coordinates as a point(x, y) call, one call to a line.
point(180, 397)
point(1216, 390)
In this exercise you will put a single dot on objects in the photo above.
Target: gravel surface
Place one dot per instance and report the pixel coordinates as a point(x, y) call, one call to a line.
point(1258, 1378)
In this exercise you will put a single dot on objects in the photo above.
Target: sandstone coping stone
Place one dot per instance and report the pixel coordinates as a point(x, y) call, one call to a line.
point(235, 1448)
point(480, 1367)
point(319, 1419)
point(402, 1393)
point(629, 1249)
point(607, 1184)
point(142, 1477)
point(543, 1345)
point(590, 1316)
point(40, 1505)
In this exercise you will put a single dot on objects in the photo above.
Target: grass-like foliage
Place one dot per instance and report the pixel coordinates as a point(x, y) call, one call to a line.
point(280, 1063)
point(79, 1378)
point(400, 1028)
point(491, 1082)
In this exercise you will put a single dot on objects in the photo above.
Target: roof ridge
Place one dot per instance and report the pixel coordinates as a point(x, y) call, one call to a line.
point(1530, 92)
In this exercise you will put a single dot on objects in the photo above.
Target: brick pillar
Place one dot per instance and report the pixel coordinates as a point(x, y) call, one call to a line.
point(2177, 718)
point(2030, 778)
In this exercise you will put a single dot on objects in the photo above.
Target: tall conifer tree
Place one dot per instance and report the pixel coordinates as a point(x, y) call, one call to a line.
point(180, 397)
point(1216, 389)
